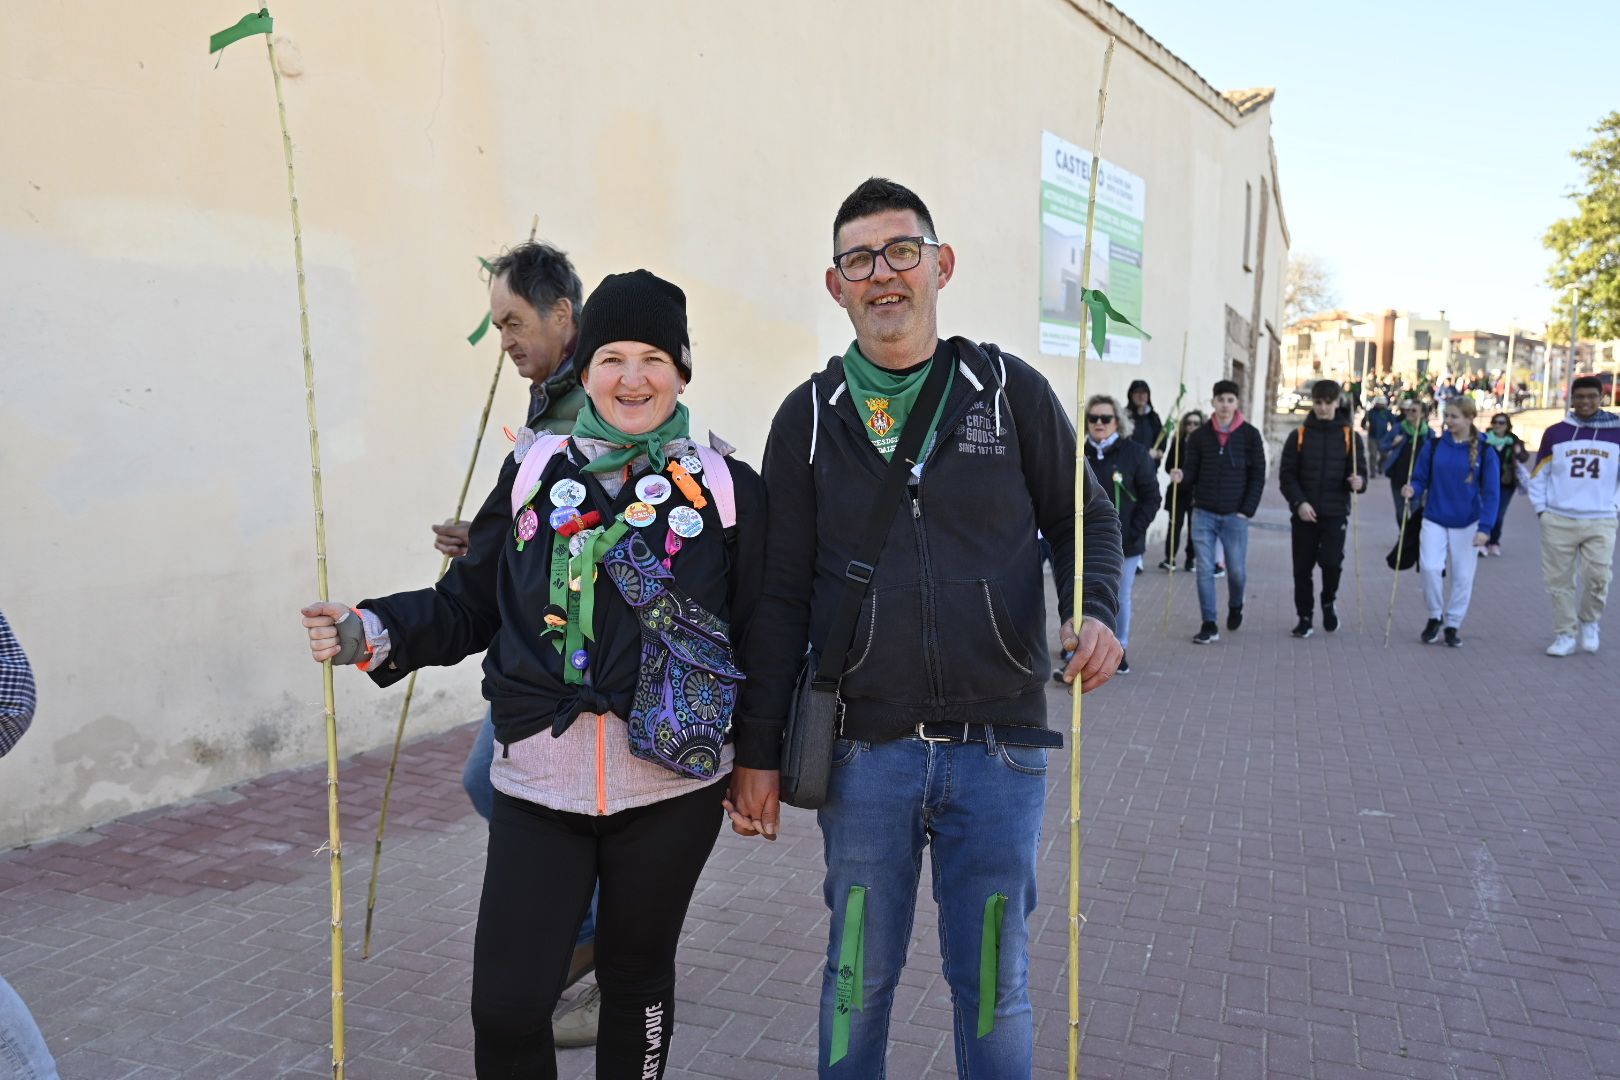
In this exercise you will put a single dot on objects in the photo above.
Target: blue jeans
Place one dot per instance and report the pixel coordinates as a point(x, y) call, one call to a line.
point(1232, 531)
point(481, 790)
point(1501, 515)
point(977, 807)
point(1127, 581)
point(23, 1053)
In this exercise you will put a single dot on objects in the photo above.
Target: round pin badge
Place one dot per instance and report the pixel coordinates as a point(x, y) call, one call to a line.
point(580, 659)
point(652, 490)
point(576, 543)
point(528, 524)
point(692, 463)
point(640, 514)
point(567, 493)
point(562, 516)
point(685, 521)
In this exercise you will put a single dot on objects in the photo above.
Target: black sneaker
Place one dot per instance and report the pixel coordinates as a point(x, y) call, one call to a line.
point(1192, 564)
point(1330, 618)
point(1167, 564)
point(1138, 568)
point(1220, 569)
point(1302, 629)
point(1207, 633)
point(1234, 618)
point(1124, 665)
point(1452, 639)
point(1431, 632)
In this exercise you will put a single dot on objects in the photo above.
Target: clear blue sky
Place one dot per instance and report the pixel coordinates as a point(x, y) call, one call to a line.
point(1423, 146)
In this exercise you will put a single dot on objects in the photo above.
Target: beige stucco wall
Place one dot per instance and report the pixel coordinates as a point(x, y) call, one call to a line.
point(154, 475)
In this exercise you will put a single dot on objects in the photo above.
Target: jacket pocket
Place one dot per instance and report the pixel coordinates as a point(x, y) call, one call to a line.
point(886, 656)
point(981, 654)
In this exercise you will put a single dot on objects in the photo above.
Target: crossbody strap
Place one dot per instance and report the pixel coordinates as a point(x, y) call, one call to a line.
point(835, 650)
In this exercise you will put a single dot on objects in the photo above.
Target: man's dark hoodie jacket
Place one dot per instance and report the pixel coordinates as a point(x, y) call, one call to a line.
point(953, 626)
point(1316, 468)
point(1226, 479)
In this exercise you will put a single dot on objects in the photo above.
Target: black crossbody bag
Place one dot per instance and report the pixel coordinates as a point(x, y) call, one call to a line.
point(816, 714)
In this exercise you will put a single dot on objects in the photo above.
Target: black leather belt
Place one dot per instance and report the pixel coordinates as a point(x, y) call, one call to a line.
point(1009, 734)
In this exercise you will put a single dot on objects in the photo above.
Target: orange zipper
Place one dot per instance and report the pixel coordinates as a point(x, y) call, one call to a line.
point(601, 764)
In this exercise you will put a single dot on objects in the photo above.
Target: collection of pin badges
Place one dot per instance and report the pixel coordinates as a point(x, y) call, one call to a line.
point(652, 491)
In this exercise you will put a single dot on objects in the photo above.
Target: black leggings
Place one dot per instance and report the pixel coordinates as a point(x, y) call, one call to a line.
point(1178, 530)
point(542, 867)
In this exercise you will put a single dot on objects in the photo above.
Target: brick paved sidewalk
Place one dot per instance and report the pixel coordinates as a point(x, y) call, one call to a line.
point(1303, 859)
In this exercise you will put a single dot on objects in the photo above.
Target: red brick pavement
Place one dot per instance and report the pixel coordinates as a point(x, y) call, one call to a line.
point(1303, 859)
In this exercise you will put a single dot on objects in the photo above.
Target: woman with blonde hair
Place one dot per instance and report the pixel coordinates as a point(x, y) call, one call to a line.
point(1462, 477)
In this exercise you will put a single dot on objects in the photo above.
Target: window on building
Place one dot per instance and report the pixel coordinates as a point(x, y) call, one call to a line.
point(1248, 224)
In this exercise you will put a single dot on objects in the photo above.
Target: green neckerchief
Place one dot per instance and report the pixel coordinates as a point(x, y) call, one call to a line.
point(650, 444)
point(884, 400)
point(1499, 441)
point(1412, 429)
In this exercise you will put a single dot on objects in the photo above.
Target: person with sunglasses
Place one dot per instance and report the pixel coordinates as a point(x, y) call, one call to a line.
point(1126, 470)
point(1410, 433)
point(1511, 449)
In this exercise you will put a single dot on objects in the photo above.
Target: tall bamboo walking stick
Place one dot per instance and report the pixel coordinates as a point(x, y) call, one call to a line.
point(1355, 519)
point(1416, 445)
point(1079, 587)
point(410, 684)
point(1175, 445)
point(260, 23)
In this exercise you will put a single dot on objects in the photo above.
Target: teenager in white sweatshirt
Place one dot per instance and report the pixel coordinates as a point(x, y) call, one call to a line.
point(1575, 489)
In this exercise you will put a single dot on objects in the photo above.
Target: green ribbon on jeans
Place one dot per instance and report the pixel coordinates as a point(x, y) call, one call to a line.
point(851, 973)
point(995, 908)
point(1101, 312)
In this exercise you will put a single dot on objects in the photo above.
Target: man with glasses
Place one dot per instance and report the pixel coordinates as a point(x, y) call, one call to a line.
point(943, 740)
point(1405, 438)
point(1575, 489)
point(1127, 472)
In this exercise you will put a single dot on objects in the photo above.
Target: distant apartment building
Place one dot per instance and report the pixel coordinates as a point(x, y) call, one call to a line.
point(1337, 344)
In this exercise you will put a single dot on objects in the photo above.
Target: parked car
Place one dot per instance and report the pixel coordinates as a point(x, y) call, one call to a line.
point(1296, 400)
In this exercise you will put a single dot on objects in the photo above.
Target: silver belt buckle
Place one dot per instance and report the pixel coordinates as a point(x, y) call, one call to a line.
point(925, 737)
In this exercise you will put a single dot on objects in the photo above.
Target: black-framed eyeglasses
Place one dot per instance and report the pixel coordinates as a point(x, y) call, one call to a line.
point(858, 264)
point(1100, 418)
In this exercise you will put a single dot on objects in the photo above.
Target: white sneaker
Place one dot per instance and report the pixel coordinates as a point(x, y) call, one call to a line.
point(1563, 645)
point(577, 1024)
point(1589, 637)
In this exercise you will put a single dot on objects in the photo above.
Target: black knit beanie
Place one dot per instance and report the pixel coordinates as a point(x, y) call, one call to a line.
point(638, 306)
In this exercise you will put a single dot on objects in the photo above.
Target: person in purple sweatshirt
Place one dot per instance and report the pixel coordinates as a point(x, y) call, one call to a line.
point(1462, 478)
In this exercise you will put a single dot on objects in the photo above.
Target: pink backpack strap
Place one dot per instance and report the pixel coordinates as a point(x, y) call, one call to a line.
point(718, 474)
point(533, 466)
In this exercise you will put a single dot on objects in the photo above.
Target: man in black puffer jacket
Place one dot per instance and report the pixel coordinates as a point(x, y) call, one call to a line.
point(1226, 473)
point(1125, 469)
point(1323, 463)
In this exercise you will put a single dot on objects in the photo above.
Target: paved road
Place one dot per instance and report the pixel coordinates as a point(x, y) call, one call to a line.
point(1313, 859)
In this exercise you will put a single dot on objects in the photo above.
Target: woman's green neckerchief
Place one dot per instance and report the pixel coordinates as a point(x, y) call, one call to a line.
point(1499, 441)
point(648, 444)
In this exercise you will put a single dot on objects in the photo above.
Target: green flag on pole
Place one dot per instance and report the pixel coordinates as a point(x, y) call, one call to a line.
point(258, 22)
point(1101, 312)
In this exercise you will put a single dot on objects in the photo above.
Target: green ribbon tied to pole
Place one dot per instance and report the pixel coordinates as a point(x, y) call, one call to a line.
point(259, 22)
point(478, 335)
point(851, 973)
point(1101, 312)
point(995, 909)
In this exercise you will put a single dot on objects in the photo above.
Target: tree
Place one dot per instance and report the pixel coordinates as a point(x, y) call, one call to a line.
point(1308, 288)
point(1586, 247)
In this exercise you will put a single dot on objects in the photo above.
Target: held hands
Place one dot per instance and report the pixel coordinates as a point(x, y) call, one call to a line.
point(451, 538)
point(753, 802)
point(322, 622)
point(1306, 512)
point(1096, 653)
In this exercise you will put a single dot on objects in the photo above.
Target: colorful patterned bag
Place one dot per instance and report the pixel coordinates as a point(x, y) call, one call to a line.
point(687, 691)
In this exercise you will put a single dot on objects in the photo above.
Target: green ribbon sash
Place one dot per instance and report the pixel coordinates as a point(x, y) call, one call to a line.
point(1101, 312)
point(258, 22)
point(995, 908)
point(851, 973)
